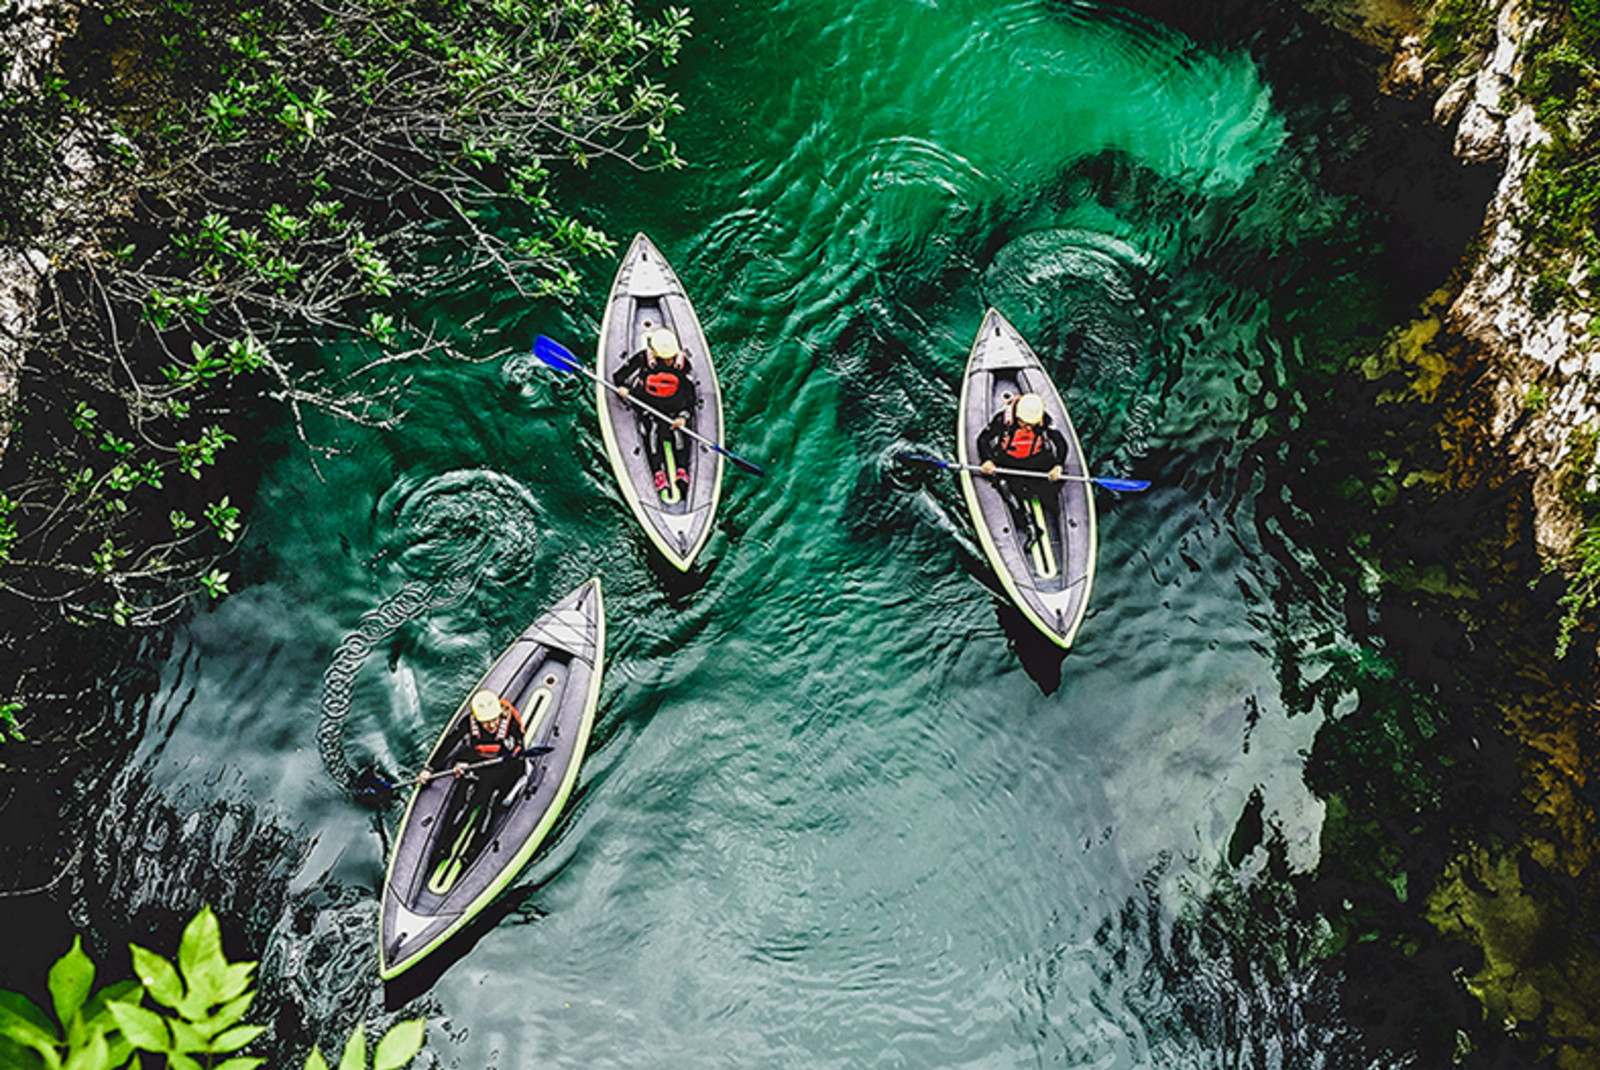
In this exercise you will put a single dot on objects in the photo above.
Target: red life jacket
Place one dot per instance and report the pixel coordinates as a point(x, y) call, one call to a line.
point(661, 384)
point(491, 743)
point(1023, 441)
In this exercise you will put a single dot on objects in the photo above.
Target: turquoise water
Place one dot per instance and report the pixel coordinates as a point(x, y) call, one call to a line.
point(841, 807)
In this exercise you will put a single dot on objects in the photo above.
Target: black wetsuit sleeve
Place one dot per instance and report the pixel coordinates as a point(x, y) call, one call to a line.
point(632, 372)
point(990, 437)
point(458, 749)
point(690, 391)
point(1058, 447)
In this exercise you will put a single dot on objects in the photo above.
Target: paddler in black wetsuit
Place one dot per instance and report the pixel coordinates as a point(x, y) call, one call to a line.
point(492, 733)
point(660, 374)
point(1021, 437)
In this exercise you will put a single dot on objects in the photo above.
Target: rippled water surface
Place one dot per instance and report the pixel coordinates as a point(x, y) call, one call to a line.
point(842, 809)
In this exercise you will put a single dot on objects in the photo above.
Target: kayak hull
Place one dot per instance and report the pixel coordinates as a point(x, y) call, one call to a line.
point(1049, 580)
point(447, 865)
point(647, 294)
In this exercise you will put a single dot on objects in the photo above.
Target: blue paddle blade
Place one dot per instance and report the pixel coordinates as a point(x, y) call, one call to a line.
point(555, 354)
point(925, 462)
point(1123, 484)
point(748, 466)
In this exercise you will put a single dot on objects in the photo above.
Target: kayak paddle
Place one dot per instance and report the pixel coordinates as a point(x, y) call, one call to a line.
point(1104, 481)
point(561, 359)
point(429, 774)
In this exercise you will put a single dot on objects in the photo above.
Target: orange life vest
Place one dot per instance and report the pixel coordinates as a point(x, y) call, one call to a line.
point(662, 384)
point(1023, 441)
point(491, 743)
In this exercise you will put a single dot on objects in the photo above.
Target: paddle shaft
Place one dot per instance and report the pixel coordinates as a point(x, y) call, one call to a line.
point(650, 409)
point(1100, 481)
point(557, 356)
point(1015, 472)
point(429, 774)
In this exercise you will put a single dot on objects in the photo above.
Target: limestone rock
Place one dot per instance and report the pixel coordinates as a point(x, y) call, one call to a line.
point(1448, 108)
point(1406, 77)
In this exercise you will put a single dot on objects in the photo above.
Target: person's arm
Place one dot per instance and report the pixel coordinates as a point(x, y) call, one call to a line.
point(458, 749)
point(989, 442)
point(517, 737)
point(627, 377)
point(689, 391)
point(1058, 452)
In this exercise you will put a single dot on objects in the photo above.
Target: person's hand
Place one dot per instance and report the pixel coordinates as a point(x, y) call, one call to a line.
point(460, 769)
point(988, 468)
point(622, 392)
point(1055, 474)
point(425, 776)
point(677, 425)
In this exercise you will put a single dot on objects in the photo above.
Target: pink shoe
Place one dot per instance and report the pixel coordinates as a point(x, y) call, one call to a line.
point(683, 477)
point(661, 481)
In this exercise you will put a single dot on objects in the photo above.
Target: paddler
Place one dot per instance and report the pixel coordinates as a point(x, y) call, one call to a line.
point(1020, 436)
point(659, 373)
point(493, 734)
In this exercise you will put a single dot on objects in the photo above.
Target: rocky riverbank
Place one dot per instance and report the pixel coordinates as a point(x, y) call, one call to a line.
point(1538, 366)
point(27, 41)
point(1513, 373)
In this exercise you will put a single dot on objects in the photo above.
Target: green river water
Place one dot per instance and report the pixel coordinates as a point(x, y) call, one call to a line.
point(841, 808)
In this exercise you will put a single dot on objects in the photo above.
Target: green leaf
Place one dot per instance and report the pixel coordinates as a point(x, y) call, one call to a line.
point(203, 964)
point(145, 1029)
point(180, 1061)
point(243, 1062)
point(315, 1061)
point(189, 1037)
point(237, 1037)
point(355, 1051)
point(159, 976)
point(231, 1012)
point(93, 1055)
point(97, 1013)
point(400, 1045)
point(71, 979)
point(23, 1023)
point(14, 1005)
point(18, 1057)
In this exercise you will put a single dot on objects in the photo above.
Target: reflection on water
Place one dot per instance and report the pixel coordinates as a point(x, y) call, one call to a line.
point(839, 811)
point(451, 532)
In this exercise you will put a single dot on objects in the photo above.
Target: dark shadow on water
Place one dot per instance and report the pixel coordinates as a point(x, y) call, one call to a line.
point(1040, 657)
point(679, 586)
point(416, 981)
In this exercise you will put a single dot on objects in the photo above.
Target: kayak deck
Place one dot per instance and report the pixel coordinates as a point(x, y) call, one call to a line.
point(448, 862)
point(1049, 578)
point(645, 295)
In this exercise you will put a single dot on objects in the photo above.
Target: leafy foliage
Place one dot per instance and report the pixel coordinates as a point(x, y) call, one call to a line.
point(1562, 81)
point(1582, 596)
point(10, 731)
point(264, 178)
point(1458, 30)
point(191, 1011)
point(396, 1049)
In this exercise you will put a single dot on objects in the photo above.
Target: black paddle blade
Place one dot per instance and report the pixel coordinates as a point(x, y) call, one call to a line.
point(555, 354)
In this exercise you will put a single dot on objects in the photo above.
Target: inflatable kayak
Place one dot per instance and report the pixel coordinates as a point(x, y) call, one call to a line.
point(454, 852)
point(645, 297)
point(1048, 577)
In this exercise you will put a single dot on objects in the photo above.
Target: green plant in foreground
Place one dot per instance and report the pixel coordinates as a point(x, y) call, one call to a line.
point(1583, 592)
point(10, 731)
point(191, 1011)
